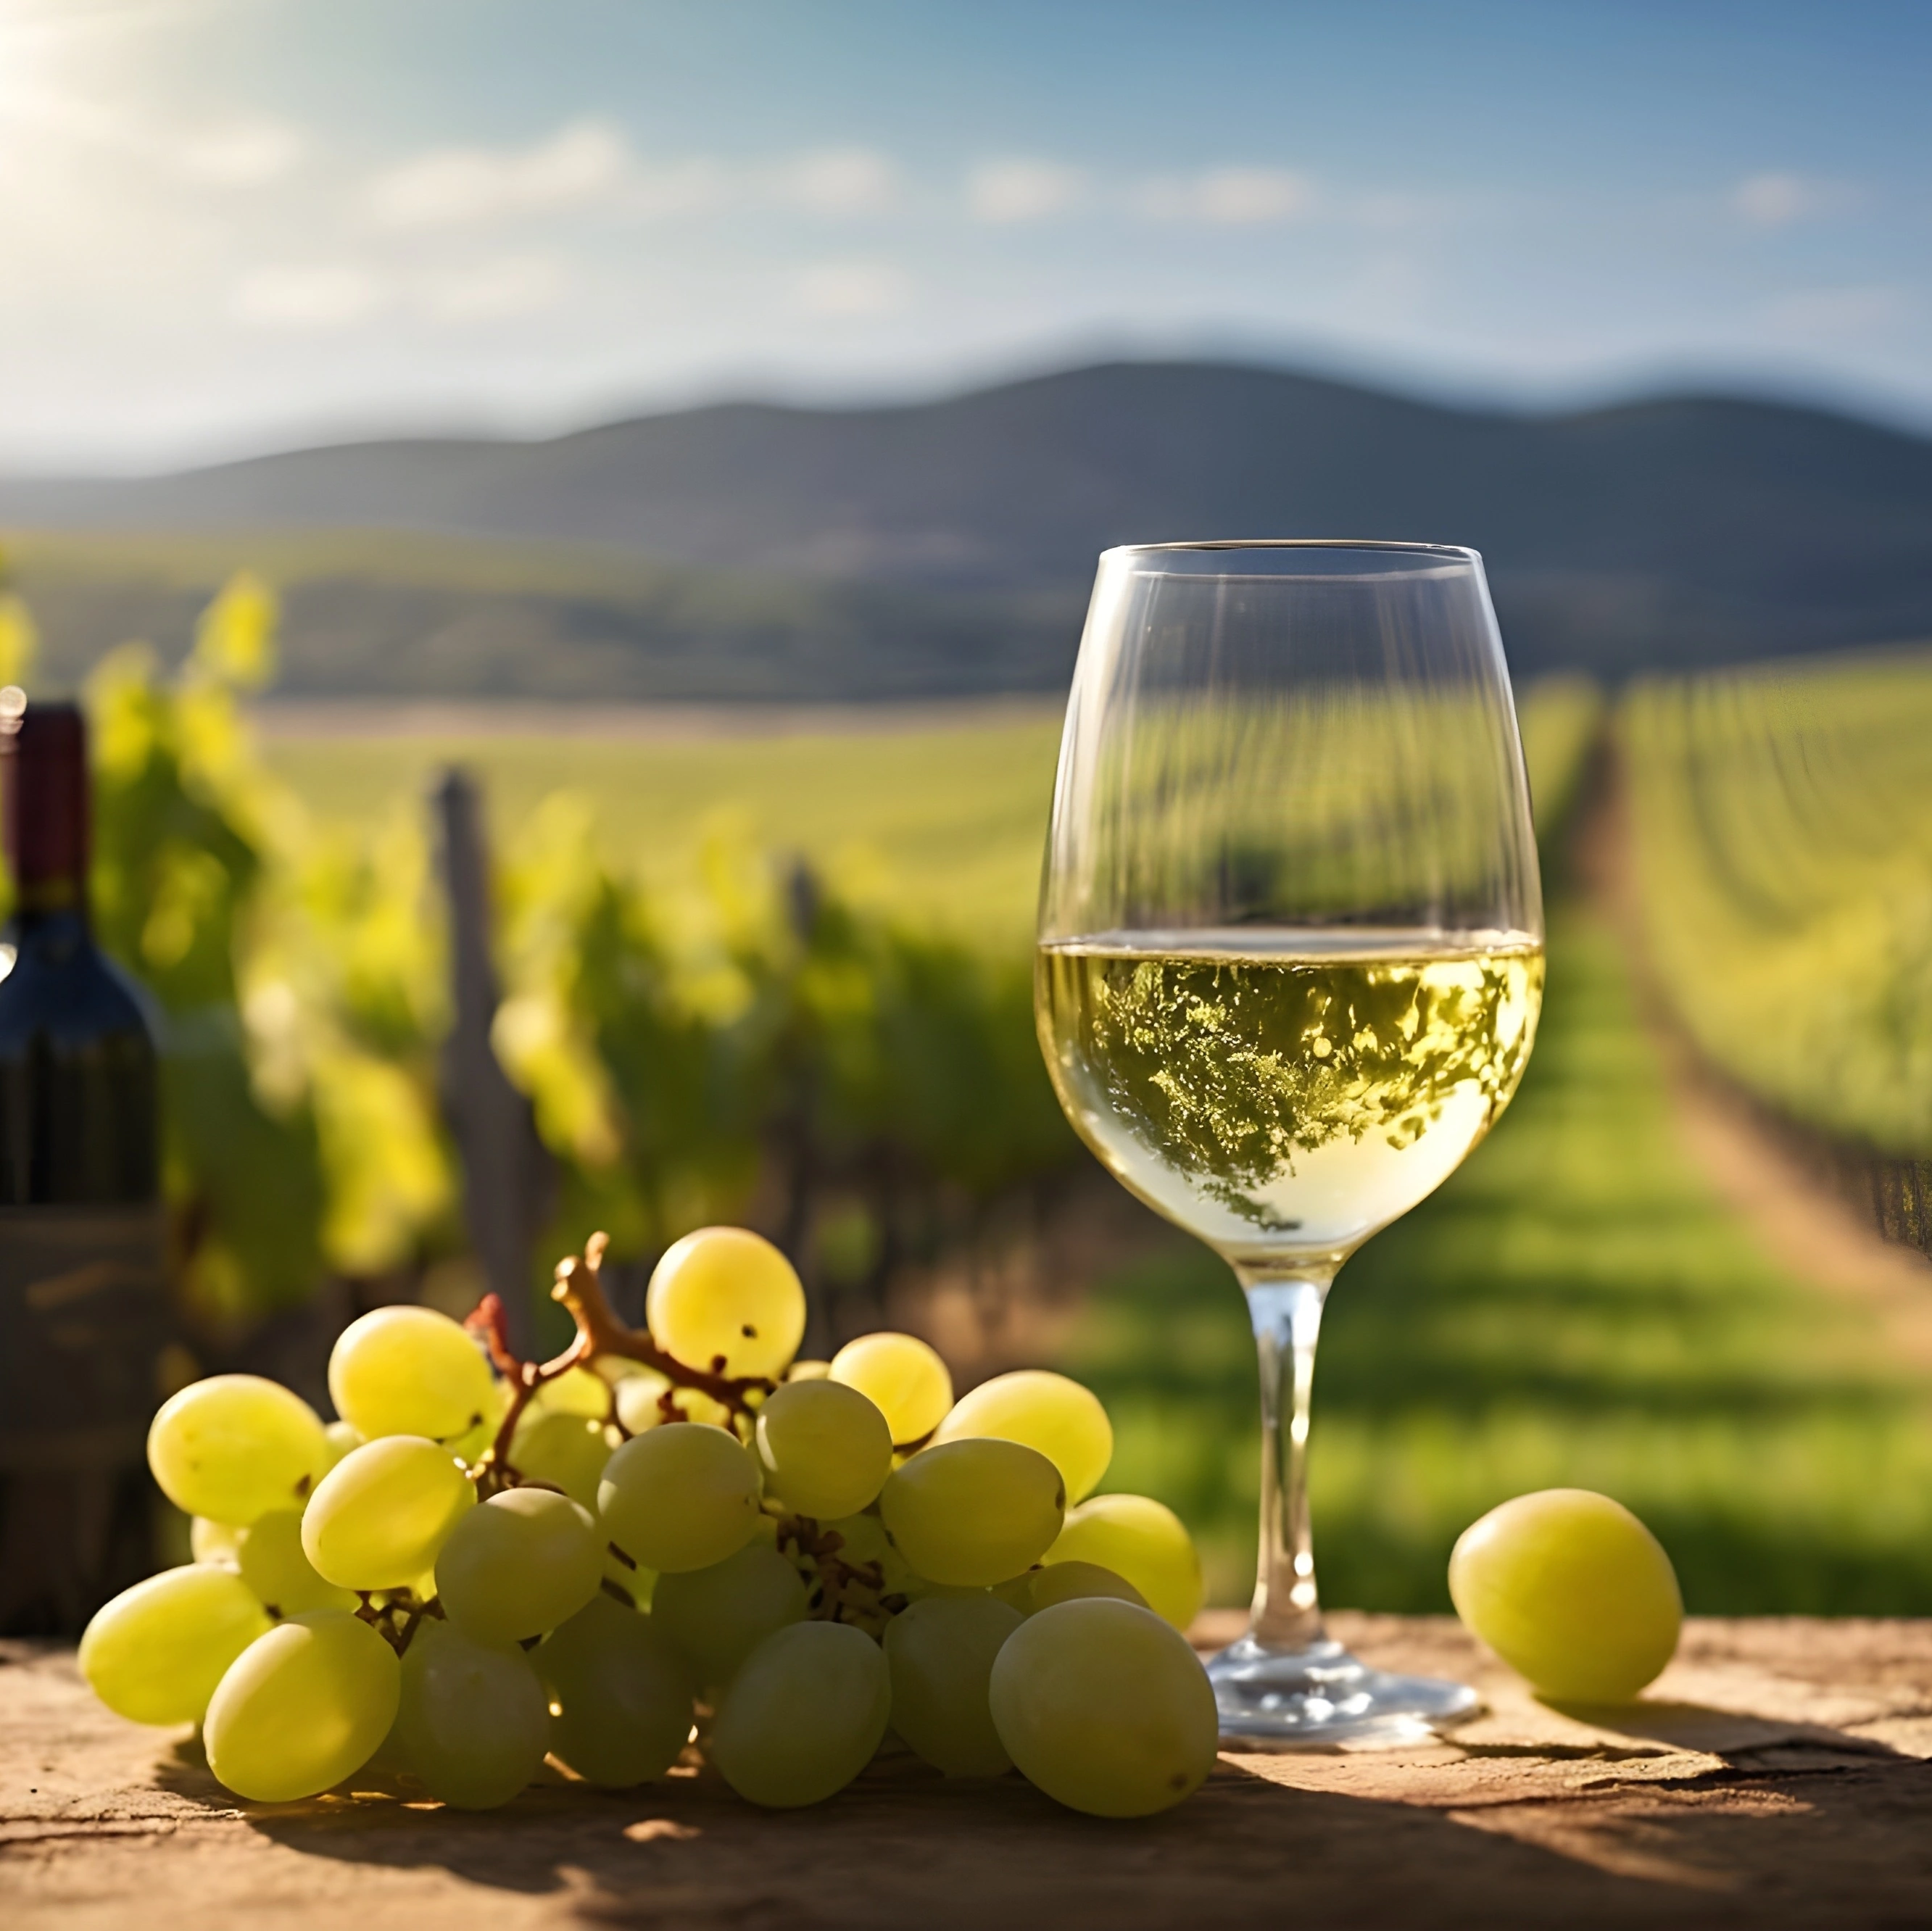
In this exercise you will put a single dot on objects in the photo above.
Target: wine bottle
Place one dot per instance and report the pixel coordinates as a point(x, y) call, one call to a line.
point(84, 1307)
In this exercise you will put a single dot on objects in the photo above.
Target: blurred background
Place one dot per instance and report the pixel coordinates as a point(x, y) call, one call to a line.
point(570, 524)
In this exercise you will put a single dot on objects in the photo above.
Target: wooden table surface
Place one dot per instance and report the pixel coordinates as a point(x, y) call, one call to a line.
point(1777, 1775)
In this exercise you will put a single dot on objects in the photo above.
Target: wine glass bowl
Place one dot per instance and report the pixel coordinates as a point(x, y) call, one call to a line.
point(1290, 967)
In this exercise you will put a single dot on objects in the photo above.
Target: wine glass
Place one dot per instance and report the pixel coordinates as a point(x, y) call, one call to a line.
point(1290, 967)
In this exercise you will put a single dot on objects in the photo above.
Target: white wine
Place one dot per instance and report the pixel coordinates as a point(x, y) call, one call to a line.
point(1285, 1092)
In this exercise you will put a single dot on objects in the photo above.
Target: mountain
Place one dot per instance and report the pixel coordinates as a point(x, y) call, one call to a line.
point(754, 549)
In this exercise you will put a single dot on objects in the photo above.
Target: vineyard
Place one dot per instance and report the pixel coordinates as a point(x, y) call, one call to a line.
point(1783, 836)
point(788, 980)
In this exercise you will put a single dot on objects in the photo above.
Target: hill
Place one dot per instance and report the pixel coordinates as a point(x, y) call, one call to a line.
point(754, 549)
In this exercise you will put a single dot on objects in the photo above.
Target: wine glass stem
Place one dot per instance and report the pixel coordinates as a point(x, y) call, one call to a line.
point(1285, 1309)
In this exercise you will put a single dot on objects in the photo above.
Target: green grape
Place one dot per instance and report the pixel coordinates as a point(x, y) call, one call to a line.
point(381, 1513)
point(564, 1451)
point(725, 1294)
point(523, 1562)
point(409, 1371)
point(809, 1371)
point(825, 1449)
point(156, 1652)
point(718, 1616)
point(620, 1694)
point(972, 1513)
point(302, 1708)
point(273, 1564)
point(905, 1379)
point(1016, 1592)
point(1143, 1542)
point(639, 1402)
point(1104, 1707)
point(472, 1721)
point(1064, 1421)
point(576, 1391)
point(341, 1438)
point(234, 1446)
point(680, 1498)
point(211, 1541)
point(940, 1653)
point(803, 1716)
point(1572, 1591)
point(1068, 1581)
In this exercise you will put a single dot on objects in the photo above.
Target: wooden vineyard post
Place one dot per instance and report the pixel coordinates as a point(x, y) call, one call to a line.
point(507, 1175)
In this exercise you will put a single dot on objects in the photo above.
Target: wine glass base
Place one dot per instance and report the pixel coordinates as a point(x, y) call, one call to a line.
point(1322, 1698)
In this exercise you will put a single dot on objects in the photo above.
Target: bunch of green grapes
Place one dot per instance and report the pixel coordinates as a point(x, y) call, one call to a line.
point(684, 1537)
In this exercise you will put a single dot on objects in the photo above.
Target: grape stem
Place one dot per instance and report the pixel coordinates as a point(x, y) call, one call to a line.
point(382, 1618)
point(580, 1290)
point(822, 1545)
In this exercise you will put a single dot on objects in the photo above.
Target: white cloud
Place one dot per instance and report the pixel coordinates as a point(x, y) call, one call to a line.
point(677, 188)
point(1827, 315)
point(1018, 190)
point(244, 154)
point(315, 295)
point(838, 181)
point(584, 162)
point(849, 289)
point(1775, 200)
point(1230, 197)
point(493, 291)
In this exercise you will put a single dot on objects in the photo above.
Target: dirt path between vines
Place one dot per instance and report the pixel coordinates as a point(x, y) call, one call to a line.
point(1806, 1225)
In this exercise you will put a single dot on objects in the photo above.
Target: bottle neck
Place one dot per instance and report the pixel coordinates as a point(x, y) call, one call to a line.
point(44, 790)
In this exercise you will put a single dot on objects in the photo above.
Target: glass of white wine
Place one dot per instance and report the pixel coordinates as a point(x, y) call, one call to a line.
point(1290, 968)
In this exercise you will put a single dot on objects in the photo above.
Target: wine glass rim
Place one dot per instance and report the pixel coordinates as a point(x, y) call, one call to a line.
point(1461, 553)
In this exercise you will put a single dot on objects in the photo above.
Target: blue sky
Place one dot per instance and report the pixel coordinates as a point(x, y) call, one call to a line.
point(229, 224)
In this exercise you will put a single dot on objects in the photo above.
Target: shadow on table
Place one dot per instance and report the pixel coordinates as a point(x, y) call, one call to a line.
point(1498, 1844)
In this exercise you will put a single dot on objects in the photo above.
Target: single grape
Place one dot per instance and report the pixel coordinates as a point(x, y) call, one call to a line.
point(273, 1564)
point(524, 1561)
point(409, 1371)
point(680, 1498)
point(803, 1716)
point(825, 1448)
point(1104, 1707)
point(809, 1371)
point(904, 1377)
point(622, 1693)
point(640, 1402)
point(1068, 1581)
point(302, 1708)
point(156, 1652)
point(972, 1513)
point(725, 1294)
point(234, 1446)
point(1064, 1421)
point(940, 1653)
point(380, 1516)
point(341, 1438)
point(564, 1451)
point(1145, 1542)
point(472, 1721)
point(1572, 1591)
point(576, 1391)
point(718, 1616)
point(211, 1541)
